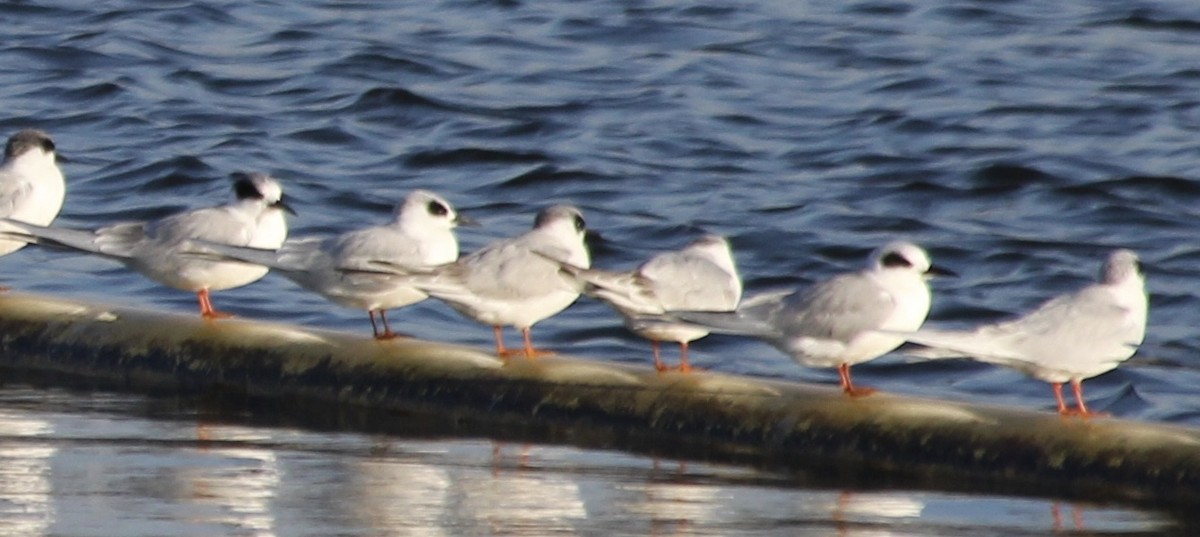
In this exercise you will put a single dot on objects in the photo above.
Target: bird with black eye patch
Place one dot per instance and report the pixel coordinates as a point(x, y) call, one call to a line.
point(517, 281)
point(700, 277)
point(344, 268)
point(842, 321)
point(160, 249)
point(1069, 338)
point(32, 188)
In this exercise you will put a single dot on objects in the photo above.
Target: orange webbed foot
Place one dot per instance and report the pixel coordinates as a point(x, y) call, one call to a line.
point(860, 391)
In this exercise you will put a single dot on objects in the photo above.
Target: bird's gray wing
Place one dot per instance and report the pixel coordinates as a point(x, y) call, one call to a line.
point(14, 191)
point(108, 241)
point(628, 292)
point(1087, 326)
point(1082, 327)
point(679, 281)
point(371, 248)
point(838, 309)
point(213, 224)
point(296, 255)
point(755, 317)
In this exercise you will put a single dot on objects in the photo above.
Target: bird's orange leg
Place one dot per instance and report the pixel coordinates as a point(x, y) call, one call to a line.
point(848, 385)
point(387, 330)
point(206, 307)
point(502, 352)
point(530, 352)
point(1081, 407)
point(1058, 396)
point(684, 366)
point(658, 363)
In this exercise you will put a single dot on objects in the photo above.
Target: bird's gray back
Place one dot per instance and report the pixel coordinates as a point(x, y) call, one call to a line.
point(214, 224)
point(838, 309)
point(361, 249)
point(1087, 325)
point(689, 282)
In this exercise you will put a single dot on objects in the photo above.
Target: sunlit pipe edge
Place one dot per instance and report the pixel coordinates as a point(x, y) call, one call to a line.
point(889, 438)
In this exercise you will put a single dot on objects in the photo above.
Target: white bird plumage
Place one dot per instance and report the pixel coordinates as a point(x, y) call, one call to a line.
point(517, 281)
point(1069, 338)
point(158, 249)
point(343, 268)
point(32, 188)
point(700, 277)
point(838, 322)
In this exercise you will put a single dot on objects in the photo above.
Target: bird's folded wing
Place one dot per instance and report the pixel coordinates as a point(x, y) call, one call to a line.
point(726, 322)
point(679, 281)
point(73, 239)
point(15, 191)
point(985, 344)
point(213, 251)
point(627, 291)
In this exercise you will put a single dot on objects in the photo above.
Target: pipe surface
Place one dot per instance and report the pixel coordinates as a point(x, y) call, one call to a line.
point(812, 431)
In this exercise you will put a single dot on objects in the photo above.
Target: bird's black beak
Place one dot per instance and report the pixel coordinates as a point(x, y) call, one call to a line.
point(466, 221)
point(284, 206)
point(59, 157)
point(935, 270)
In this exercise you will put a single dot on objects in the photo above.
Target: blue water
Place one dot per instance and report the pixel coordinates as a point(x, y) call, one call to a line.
point(1018, 141)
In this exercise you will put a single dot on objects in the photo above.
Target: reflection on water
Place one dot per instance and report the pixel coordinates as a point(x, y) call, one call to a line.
point(94, 464)
point(401, 498)
point(671, 502)
point(873, 515)
point(520, 497)
point(1076, 515)
point(232, 487)
point(25, 506)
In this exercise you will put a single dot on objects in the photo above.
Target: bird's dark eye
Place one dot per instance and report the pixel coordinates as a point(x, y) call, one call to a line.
point(437, 209)
point(895, 260)
point(1141, 270)
point(47, 145)
point(580, 225)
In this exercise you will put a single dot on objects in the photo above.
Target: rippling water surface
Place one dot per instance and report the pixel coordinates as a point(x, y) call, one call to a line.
point(1018, 141)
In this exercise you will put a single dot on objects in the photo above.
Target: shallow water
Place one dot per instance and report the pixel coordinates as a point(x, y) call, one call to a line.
point(1018, 141)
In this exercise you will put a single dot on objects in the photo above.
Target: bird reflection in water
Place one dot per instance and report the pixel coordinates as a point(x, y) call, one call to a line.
point(1076, 517)
point(677, 504)
point(872, 514)
point(526, 498)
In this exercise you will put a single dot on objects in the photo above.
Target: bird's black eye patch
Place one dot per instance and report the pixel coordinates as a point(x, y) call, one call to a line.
point(26, 140)
point(244, 188)
point(580, 225)
point(437, 209)
point(896, 260)
point(1137, 266)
